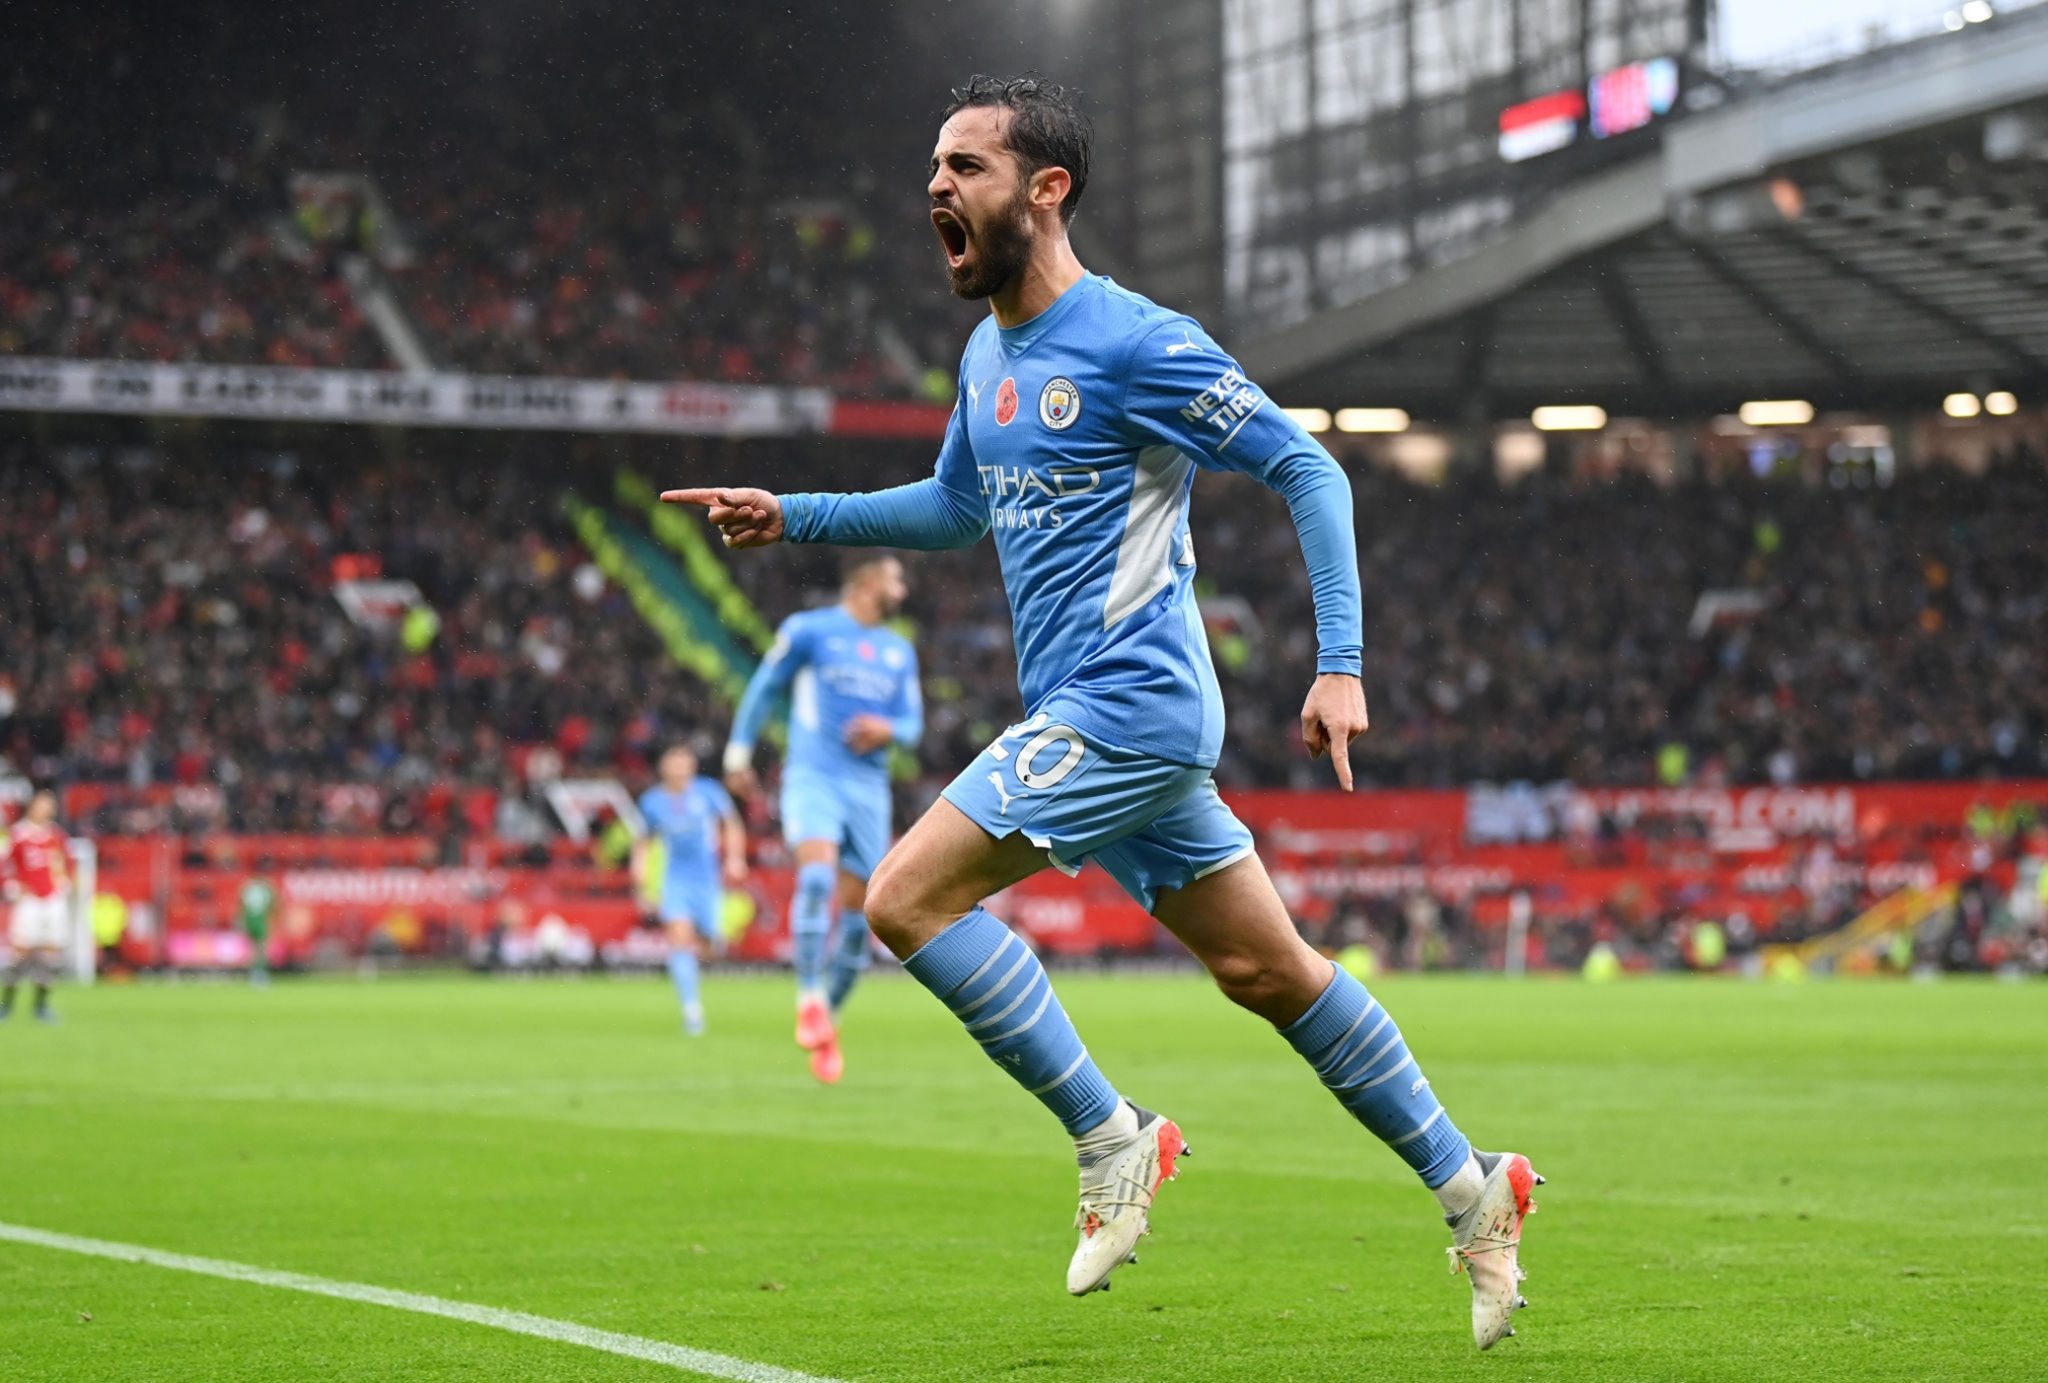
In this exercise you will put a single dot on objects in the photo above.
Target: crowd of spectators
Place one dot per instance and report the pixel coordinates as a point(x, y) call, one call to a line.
point(516, 274)
point(170, 617)
point(145, 217)
point(171, 621)
point(1544, 630)
point(701, 243)
point(208, 279)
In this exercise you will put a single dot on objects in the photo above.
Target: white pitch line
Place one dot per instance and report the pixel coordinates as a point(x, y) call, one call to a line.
point(518, 1322)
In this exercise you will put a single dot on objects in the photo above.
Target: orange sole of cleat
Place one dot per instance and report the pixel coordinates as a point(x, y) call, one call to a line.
point(1171, 1147)
point(828, 1064)
point(1523, 1181)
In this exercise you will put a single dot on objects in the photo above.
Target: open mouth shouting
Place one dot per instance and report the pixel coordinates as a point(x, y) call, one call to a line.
point(953, 236)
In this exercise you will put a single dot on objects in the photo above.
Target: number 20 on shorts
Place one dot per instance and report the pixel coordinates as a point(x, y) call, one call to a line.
point(1034, 766)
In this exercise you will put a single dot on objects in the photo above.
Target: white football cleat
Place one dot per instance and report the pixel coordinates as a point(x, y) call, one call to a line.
point(1488, 1244)
point(1116, 1200)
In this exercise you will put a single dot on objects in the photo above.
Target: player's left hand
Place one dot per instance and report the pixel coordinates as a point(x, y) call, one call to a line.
point(1332, 717)
point(868, 732)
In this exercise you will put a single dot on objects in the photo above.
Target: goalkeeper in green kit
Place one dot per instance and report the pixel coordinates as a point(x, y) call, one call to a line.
point(258, 902)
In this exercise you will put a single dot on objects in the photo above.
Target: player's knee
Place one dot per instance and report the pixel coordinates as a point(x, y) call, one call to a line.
point(1250, 980)
point(892, 908)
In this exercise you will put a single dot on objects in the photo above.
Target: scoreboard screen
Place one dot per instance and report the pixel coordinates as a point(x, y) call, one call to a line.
point(1367, 140)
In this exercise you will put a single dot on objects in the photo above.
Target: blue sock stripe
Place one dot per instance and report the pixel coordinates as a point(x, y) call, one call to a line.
point(1063, 1077)
point(995, 990)
point(1351, 1074)
point(1027, 1025)
point(1024, 992)
point(958, 954)
point(1427, 1125)
point(986, 965)
point(1348, 1050)
point(1437, 1157)
point(970, 968)
point(1407, 1118)
point(1405, 1062)
point(1328, 1020)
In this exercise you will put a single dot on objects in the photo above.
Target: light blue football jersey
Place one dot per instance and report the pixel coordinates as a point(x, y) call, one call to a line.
point(687, 823)
point(1076, 437)
point(833, 668)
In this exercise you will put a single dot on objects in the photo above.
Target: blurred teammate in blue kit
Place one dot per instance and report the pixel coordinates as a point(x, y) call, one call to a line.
point(704, 848)
point(851, 688)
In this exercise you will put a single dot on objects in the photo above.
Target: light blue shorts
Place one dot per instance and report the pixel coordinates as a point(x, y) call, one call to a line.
point(695, 901)
point(854, 815)
point(1151, 823)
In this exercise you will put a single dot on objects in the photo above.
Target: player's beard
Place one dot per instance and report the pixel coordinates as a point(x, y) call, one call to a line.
point(1004, 250)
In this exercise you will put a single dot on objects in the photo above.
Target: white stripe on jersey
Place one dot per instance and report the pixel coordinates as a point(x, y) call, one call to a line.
point(1143, 561)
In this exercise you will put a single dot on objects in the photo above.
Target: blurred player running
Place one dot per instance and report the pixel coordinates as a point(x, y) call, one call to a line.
point(697, 826)
point(852, 690)
point(39, 887)
point(1084, 411)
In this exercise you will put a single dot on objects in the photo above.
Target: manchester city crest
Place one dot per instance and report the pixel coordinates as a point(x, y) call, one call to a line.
point(1059, 404)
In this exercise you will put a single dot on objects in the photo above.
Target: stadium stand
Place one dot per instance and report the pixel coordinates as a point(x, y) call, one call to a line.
point(1535, 631)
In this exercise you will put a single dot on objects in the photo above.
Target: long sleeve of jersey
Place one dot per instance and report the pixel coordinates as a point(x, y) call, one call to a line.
point(907, 722)
point(1184, 392)
point(769, 684)
point(944, 510)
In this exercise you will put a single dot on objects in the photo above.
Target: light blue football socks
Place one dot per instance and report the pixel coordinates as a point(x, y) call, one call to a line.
point(850, 956)
point(682, 973)
point(989, 978)
point(810, 923)
point(1354, 1046)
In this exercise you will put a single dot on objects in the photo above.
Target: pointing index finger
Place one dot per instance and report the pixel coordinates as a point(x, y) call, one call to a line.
point(706, 498)
point(1340, 756)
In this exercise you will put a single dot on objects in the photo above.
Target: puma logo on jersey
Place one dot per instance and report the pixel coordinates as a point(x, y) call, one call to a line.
point(1186, 343)
point(996, 781)
point(973, 396)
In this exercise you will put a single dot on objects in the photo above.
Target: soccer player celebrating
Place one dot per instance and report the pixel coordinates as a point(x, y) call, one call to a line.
point(698, 826)
point(852, 686)
point(39, 886)
point(1084, 411)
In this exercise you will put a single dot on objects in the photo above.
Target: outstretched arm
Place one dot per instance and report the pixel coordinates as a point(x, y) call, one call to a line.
point(946, 509)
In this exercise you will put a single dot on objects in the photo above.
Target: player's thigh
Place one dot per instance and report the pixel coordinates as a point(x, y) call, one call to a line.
point(938, 872)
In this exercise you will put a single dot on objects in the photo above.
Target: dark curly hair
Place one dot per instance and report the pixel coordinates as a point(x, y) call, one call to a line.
point(1047, 130)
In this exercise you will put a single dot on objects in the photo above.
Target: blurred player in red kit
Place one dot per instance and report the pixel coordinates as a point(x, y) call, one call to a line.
point(39, 888)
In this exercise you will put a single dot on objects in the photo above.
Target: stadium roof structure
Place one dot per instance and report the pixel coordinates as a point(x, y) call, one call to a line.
point(1872, 236)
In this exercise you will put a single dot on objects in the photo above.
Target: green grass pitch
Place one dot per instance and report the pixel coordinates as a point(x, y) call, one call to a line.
point(1821, 1181)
